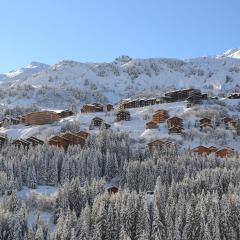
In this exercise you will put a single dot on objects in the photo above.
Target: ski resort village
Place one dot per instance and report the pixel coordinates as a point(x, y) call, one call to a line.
point(134, 149)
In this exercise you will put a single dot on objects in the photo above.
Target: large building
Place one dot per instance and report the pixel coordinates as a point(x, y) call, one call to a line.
point(40, 118)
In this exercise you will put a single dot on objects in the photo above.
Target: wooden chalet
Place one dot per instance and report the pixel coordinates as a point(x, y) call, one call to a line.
point(224, 152)
point(195, 97)
point(96, 122)
point(160, 116)
point(179, 95)
point(83, 134)
point(226, 120)
point(161, 145)
point(201, 150)
point(74, 139)
point(142, 102)
point(35, 141)
point(151, 125)
point(123, 115)
point(158, 143)
point(175, 130)
point(65, 113)
point(191, 95)
point(95, 107)
point(59, 141)
point(175, 122)
point(40, 118)
point(112, 189)
point(21, 143)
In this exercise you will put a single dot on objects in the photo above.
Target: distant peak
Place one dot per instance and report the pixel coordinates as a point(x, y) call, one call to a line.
point(36, 64)
point(231, 53)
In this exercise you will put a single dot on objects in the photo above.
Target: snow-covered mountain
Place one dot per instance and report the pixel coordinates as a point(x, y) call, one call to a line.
point(232, 53)
point(70, 82)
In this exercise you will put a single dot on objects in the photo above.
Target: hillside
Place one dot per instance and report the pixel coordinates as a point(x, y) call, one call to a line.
point(68, 82)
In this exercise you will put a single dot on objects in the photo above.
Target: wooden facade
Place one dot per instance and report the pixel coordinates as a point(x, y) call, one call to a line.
point(156, 144)
point(96, 122)
point(40, 118)
point(160, 116)
point(97, 107)
point(174, 122)
point(151, 125)
point(191, 95)
point(74, 139)
point(21, 143)
point(88, 108)
point(35, 141)
point(201, 150)
point(222, 152)
point(225, 152)
point(59, 141)
point(138, 103)
point(123, 115)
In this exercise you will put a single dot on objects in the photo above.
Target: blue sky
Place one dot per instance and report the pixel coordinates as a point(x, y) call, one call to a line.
point(100, 30)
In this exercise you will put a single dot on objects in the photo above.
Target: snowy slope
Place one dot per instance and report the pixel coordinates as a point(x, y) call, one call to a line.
point(22, 73)
point(139, 117)
point(69, 82)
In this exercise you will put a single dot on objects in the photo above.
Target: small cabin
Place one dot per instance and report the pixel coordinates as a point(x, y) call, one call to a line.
point(160, 116)
point(40, 118)
point(21, 143)
point(112, 190)
point(175, 122)
point(224, 152)
point(59, 141)
point(151, 125)
point(74, 139)
point(123, 115)
point(35, 141)
point(96, 122)
point(226, 120)
point(201, 150)
point(156, 144)
point(95, 107)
